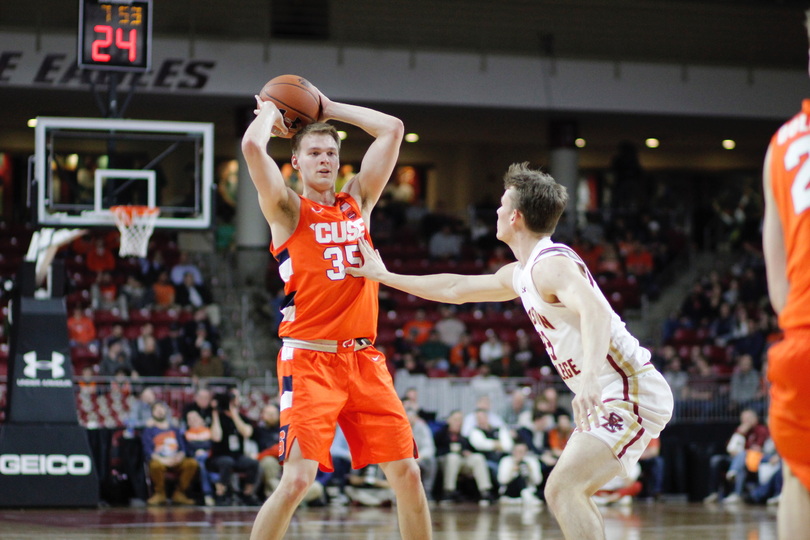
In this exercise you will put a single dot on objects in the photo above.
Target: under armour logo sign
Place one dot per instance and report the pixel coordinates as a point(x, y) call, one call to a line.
point(55, 364)
point(613, 423)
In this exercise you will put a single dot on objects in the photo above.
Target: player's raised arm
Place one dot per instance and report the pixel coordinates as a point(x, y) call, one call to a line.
point(275, 198)
point(447, 288)
point(380, 158)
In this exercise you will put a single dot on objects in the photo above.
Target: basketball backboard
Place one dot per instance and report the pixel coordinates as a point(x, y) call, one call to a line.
point(84, 166)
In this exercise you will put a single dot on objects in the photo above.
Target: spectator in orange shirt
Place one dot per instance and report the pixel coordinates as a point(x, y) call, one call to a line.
point(100, 258)
point(417, 330)
point(81, 328)
point(559, 435)
point(639, 260)
point(463, 355)
point(164, 291)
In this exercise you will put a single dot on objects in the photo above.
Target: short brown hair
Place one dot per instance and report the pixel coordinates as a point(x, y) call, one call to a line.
point(315, 128)
point(537, 196)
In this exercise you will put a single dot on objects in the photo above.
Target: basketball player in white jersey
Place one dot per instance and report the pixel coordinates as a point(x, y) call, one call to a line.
point(621, 401)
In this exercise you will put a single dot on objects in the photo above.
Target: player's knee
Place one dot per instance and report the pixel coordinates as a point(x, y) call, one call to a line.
point(404, 473)
point(554, 492)
point(296, 483)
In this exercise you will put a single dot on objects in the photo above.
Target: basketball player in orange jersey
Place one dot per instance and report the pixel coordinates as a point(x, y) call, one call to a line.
point(786, 243)
point(329, 371)
point(621, 401)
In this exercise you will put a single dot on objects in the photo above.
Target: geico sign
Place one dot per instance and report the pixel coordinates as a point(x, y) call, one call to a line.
point(45, 464)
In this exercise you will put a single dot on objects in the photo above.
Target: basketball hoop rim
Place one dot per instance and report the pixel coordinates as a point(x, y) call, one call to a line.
point(134, 209)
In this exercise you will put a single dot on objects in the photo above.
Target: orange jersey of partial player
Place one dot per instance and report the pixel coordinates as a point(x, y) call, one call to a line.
point(790, 185)
point(321, 300)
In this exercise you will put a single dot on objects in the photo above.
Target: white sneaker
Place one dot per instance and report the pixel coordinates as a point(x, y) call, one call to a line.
point(711, 498)
point(773, 501)
point(732, 499)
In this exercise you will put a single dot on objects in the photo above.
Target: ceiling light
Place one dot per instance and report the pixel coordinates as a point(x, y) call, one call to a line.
point(32, 123)
point(580, 142)
point(342, 135)
point(412, 137)
point(729, 144)
point(652, 142)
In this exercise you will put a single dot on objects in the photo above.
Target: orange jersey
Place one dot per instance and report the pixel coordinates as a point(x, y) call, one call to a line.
point(321, 300)
point(790, 184)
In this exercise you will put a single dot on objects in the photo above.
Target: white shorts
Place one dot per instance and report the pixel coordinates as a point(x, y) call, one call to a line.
point(636, 410)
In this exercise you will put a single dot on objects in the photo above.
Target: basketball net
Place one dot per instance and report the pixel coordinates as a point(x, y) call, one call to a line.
point(136, 224)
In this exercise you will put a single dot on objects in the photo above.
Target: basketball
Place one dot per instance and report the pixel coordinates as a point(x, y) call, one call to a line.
point(296, 99)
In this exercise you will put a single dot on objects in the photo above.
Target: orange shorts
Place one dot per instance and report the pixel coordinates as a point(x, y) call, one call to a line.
point(319, 389)
point(789, 415)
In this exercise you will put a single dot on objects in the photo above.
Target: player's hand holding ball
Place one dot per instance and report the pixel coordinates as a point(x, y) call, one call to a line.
point(298, 101)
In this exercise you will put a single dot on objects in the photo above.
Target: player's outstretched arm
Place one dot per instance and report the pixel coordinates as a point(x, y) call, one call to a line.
point(448, 288)
point(380, 158)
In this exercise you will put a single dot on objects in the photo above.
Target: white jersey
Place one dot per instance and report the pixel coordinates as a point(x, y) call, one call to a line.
point(559, 328)
point(637, 401)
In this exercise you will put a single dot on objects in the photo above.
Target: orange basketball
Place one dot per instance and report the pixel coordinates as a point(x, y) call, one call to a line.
point(296, 99)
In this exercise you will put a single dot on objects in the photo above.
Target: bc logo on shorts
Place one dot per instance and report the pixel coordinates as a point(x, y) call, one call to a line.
point(613, 423)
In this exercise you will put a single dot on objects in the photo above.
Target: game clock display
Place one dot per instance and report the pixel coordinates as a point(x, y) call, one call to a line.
point(115, 34)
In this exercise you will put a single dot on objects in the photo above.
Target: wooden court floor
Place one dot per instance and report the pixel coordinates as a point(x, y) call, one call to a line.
point(662, 520)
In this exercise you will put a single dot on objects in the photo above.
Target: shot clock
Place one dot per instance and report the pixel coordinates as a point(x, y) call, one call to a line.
point(115, 35)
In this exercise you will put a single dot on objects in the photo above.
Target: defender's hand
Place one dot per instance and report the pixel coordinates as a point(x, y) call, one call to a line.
point(373, 266)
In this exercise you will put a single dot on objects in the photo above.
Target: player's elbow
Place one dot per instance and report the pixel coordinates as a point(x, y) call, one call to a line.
point(396, 128)
point(252, 145)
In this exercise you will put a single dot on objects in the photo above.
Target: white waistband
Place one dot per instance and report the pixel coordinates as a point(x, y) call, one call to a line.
point(327, 345)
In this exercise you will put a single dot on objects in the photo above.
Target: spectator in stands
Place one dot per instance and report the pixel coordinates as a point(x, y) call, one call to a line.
point(449, 327)
point(493, 442)
point(228, 430)
point(411, 399)
point(191, 295)
point(86, 383)
point(147, 361)
point(140, 414)
point(482, 403)
point(266, 435)
point(184, 266)
point(172, 349)
point(558, 435)
point(198, 445)
point(463, 355)
point(150, 269)
point(536, 438)
point(702, 389)
point(164, 292)
point(498, 258)
point(164, 448)
point(114, 360)
point(117, 334)
point(519, 476)
point(549, 401)
point(492, 350)
point(722, 327)
point(749, 435)
point(136, 295)
point(445, 243)
point(769, 476)
point(81, 328)
point(524, 357)
point(435, 352)
point(677, 378)
point(100, 258)
point(518, 412)
point(209, 364)
point(652, 470)
point(456, 456)
point(417, 330)
point(104, 294)
point(198, 330)
point(610, 264)
point(201, 405)
point(746, 389)
point(121, 385)
point(423, 437)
